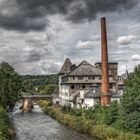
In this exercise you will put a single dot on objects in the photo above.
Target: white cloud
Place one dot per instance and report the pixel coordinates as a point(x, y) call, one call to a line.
point(125, 40)
point(135, 57)
point(84, 45)
point(122, 69)
point(28, 49)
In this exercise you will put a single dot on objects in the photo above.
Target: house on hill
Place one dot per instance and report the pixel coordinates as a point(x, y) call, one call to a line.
point(80, 85)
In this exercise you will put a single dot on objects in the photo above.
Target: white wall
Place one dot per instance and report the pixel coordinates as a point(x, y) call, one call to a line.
point(115, 99)
point(64, 94)
point(82, 92)
point(90, 102)
point(60, 80)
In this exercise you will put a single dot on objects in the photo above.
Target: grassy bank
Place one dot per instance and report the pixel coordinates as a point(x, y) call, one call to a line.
point(88, 126)
point(6, 131)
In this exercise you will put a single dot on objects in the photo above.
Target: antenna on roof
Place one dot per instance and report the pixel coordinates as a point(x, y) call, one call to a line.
point(126, 71)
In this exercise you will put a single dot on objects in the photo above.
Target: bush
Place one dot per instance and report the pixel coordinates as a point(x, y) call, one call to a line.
point(99, 114)
point(88, 126)
point(6, 132)
point(44, 104)
point(112, 113)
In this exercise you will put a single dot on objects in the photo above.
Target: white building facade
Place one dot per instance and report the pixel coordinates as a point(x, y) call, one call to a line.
point(75, 82)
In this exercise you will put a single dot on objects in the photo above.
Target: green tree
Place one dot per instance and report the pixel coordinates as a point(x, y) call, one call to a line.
point(49, 89)
point(28, 88)
point(112, 113)
point(130, 103)
point(40, 80)
point(10, 85)
point(4, 124)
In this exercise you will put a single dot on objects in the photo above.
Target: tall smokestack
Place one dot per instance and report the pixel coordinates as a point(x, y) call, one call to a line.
point(105, 97)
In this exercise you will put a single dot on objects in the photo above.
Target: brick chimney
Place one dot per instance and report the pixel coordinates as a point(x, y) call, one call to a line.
point(105, 96)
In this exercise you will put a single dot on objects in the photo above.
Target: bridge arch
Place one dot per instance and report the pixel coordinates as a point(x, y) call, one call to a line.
point(28, 100)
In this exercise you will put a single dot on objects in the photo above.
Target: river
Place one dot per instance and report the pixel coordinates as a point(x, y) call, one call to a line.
point(38, 126)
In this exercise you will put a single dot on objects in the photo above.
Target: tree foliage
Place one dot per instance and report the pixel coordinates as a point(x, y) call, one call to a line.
point(111, 113)
point(130, 103)
point(49, 89)
point(34, 84)
point(100, 114)
point(10, 85)
point(40, 80)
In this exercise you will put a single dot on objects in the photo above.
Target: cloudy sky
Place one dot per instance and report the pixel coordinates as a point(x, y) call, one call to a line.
point(37, 35)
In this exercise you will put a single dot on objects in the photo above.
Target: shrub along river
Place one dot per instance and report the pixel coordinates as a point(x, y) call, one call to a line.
point(38, 126)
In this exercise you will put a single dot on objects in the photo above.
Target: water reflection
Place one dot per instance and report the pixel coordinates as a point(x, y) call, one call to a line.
point(38, 126)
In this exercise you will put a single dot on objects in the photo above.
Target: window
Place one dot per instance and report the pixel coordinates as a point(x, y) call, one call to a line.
point(80, 77)
point(98, 78)
point(77, 86)
point(97, 88)
point(91, 77)
point(72, 86)
point(111, 86)
point(83, 86)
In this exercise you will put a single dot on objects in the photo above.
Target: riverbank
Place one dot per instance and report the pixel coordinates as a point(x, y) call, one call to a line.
point(81, 124)
point(6, 130)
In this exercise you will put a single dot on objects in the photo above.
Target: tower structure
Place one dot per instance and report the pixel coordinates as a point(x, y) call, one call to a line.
point(105, 96)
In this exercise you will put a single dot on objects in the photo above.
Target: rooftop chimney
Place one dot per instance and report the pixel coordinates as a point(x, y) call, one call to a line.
point(105, 97)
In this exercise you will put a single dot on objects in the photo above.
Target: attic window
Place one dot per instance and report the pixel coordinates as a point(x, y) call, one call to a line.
point(80, 77)
point(91, 77)
point(99, 77)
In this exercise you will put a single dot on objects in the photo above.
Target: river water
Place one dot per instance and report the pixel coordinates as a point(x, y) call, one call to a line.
point(38, 126)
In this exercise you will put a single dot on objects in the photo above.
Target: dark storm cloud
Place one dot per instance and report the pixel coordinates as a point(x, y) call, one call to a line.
point(31, 14)
point(21, 23)
point(88, 9)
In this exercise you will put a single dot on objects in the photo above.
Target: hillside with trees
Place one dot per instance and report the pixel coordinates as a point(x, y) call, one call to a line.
point(41, 80)
point(40, 84)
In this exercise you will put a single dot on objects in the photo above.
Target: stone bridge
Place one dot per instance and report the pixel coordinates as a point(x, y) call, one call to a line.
point(27, 100)
point(36, 97)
